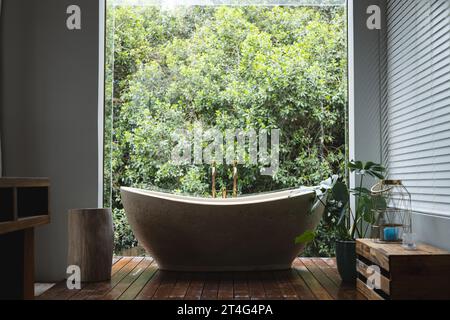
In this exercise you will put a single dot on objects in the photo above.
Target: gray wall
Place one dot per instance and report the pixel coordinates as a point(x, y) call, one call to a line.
point(365, 50)
point(49, 112)
point(434, 230)
point(364, 99)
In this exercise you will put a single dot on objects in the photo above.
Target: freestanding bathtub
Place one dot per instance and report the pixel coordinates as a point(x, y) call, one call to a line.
point(237, 234)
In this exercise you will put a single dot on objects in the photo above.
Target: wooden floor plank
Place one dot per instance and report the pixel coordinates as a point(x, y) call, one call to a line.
point(334, 290)
point(271, 286)
point(96, 290)
point(331, 262)
point(285, 284)
point(211, 288)
point(346, 291)
point(240, 284)
point(136, 287)
point(61, 292)
point(150, 287)
point(329, 271)
point(195, 288)
point(329, 285)
point(255, 286)
point(119, 264)
point(168, 280)
point(226, 290)
point(181, 287)
point(301, 288)
point(126, 282)
point(139, 278)
point(58, 292)
point(319, 292)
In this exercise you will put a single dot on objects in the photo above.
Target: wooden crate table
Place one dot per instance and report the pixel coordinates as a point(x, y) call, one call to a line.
point(404, 274)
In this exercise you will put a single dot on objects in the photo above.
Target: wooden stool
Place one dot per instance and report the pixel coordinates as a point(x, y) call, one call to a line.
point(91, 243)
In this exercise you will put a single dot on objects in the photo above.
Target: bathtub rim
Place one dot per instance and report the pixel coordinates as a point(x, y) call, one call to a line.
point(244, 200)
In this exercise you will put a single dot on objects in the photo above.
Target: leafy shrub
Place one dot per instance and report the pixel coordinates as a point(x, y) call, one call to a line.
point(123, 236)
point(324, 244)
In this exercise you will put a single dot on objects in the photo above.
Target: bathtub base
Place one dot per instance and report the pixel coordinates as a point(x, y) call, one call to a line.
point(177, 268)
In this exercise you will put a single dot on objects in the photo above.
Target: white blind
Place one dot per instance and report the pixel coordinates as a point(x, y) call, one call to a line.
point(416, 101)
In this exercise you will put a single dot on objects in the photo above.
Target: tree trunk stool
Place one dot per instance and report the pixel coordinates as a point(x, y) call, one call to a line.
point(91, 243)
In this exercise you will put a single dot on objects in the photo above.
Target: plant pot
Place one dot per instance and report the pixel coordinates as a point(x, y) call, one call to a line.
point(346, 260)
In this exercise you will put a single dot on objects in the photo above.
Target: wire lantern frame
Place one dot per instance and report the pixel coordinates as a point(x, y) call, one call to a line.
point(394, 212)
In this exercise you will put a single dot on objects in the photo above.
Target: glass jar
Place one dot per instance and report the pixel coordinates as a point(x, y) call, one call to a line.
point(393, 212)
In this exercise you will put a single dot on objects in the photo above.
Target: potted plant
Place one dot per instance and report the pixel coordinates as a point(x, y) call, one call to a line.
point(350, 224)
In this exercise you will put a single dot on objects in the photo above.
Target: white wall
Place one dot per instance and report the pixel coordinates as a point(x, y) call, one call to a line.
point(49, 112)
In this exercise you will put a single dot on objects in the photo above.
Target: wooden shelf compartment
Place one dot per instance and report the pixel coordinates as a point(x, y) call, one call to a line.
point(23, 203)
point(7, 209)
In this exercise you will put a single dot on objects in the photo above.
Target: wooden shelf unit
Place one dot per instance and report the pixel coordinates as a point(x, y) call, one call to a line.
point(404, 274)
point(24, 205)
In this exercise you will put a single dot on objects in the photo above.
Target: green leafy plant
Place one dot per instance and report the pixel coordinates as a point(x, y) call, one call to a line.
point(364, 215)
point(324, 242)
point(349, 224)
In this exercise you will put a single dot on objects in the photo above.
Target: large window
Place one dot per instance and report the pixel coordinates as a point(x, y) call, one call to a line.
point(199, 83)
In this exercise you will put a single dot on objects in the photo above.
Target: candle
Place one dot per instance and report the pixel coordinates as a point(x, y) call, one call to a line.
point(390, 234)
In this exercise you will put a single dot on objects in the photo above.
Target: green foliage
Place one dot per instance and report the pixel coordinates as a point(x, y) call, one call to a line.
point(324, 243)
point(308, 236)
point(339, 221)
point(123, 236)
point(226, 67)
point(364, 215)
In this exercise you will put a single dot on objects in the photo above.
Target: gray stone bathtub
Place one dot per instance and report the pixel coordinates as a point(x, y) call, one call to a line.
point(254, 232)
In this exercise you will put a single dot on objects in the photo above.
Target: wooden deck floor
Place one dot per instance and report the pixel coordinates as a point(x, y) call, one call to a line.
point(139, 278)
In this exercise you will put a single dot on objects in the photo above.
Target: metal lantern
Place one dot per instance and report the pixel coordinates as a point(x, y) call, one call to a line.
point(393, 212)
